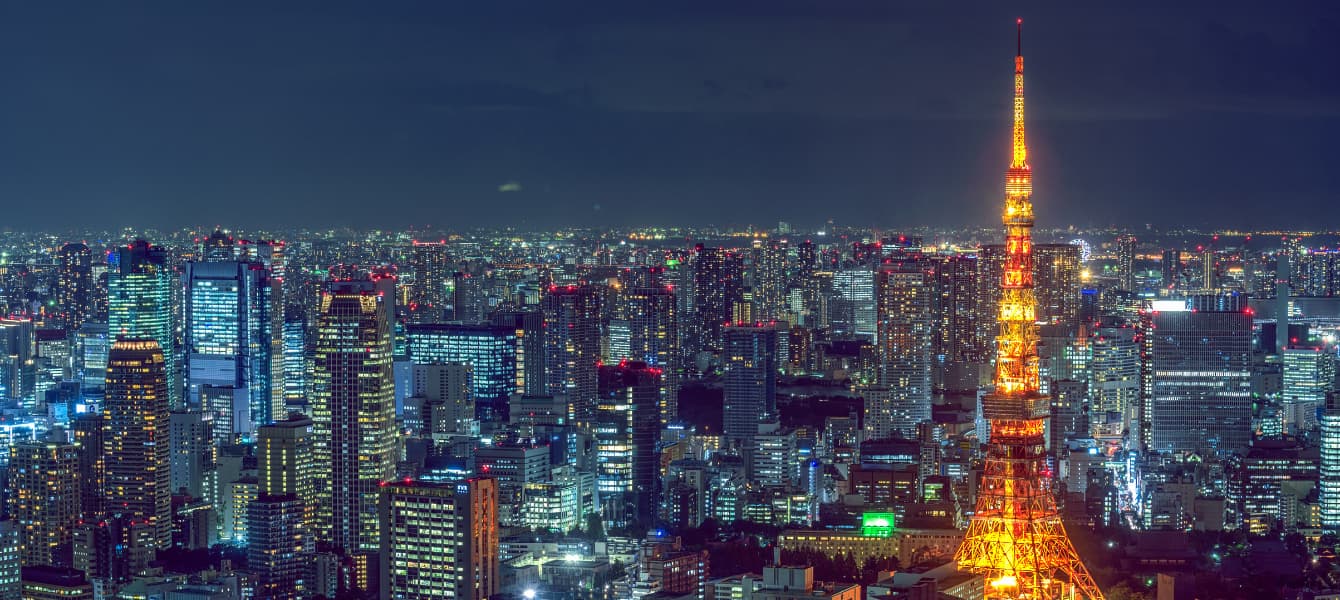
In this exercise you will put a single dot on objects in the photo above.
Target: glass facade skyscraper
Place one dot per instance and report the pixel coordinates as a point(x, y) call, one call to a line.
point(1201, 368)
point(229, 335)
point(490, 350)
point(140, 285)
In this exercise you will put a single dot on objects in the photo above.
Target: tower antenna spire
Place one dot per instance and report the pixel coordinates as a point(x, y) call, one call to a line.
point(1019, 37)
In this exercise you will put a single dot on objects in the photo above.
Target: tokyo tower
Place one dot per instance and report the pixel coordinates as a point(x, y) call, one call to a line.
point(1016, 540)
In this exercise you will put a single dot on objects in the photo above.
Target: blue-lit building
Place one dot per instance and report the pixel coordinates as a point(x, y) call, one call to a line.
point(295, 359)
point(490, 350)
point(140, 285)
point(229, 342)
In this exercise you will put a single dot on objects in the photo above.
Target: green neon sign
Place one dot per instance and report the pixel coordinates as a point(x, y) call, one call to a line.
point(877, 524)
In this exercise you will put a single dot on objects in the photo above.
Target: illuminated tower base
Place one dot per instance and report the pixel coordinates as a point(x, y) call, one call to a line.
point(1016, 540)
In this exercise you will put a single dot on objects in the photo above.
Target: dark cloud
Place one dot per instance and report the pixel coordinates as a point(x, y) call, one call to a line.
point(894, 112)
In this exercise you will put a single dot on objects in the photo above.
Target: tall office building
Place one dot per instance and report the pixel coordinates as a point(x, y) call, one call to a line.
point(1329, 480)
point(489, 350)
point(530, 348)
point(718, 284)
point(1114, 380)
point(74, 286)
point(135, 439)
point(280, 521)
point(296, 359)
point(1201, 376)
point(286, 460)
point(229, 341)
point(44, 500)
point(750, 383)
point(626, 424)
point(1309, 375)
point(1125, 244)
point(140, 287)
point(853, 308)
point(279, 547)
point(440, 540)
point(87, 432)
point(18, 368)
point(354, 411)
point(191, 455)
point(653, 338)
point(441, 399)
point(904, 334)
point(572, 339)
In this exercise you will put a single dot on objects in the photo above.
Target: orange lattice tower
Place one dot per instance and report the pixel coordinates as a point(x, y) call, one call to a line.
point(1016, 540)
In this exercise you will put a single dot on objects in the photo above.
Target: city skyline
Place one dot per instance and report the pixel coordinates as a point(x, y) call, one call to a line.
point(616, 115)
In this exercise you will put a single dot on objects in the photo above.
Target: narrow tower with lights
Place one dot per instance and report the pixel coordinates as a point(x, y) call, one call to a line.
point(1016, 539)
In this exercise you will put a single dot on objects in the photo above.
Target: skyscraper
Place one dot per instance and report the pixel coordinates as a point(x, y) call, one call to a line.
point(625, 431)
point(1125, 244)
point(718, 284)
point(1201, 367)
point(428, 293)
point(768, 279)
point(353, 412)
point(139, 304)
point(489, 350)
point(530, 348)
point(44, 500)
point(1329, 480)
point(905, 300)
point(135, 438)
point(229, 340)
point(296, 359)
point(281, 518)
point(1309, 375)
point(1016, 540)
point(654, 339)
point(75, 284)
point(572, 336)
point(440, 540)
point(750, 360)
point(1056, 284)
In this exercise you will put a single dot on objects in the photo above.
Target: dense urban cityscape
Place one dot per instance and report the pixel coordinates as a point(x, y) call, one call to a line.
point(780, 411)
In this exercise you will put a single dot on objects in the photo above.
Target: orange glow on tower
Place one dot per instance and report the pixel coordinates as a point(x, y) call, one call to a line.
point(1016, 540)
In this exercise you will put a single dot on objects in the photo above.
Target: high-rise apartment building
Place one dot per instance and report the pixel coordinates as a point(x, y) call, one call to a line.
point(1125, 244)
point(44, 500)
point(75, 284)
point(440, 540)
point(653, 338)
point(354, 412)
point(718, 284)
point(905, 296)
point(572, 339)
point(768, 280)
point(135, 438)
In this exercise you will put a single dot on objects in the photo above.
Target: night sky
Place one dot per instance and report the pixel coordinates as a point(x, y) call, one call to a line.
point(465, 113)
